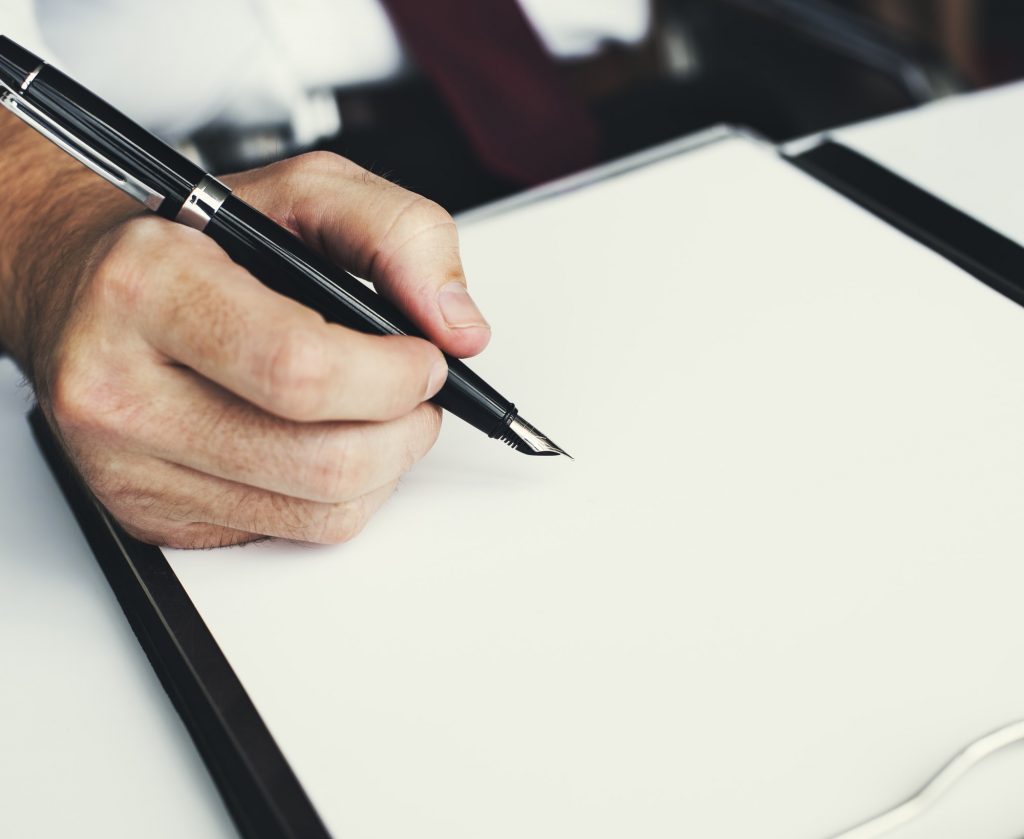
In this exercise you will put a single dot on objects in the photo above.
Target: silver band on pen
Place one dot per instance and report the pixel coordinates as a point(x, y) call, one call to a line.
point(202, 203)
point(31, 77)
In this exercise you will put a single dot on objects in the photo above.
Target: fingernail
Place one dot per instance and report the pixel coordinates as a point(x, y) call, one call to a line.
point(458, 307)
point(438, 376)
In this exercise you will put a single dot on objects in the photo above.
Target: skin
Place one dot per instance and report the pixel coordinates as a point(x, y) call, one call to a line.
point(202, 408)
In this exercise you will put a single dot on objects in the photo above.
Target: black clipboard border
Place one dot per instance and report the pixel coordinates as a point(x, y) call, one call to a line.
point(976, 248)
point(258, 786)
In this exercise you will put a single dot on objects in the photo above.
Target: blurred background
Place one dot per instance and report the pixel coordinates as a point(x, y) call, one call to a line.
point(792, 67)
point(784, 68)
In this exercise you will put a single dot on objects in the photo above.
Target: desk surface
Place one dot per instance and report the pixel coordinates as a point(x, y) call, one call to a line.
point(91, 744)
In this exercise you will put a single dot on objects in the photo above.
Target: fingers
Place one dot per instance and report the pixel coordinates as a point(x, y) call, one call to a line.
point(193, 536)
point(174, 505)
point(405, 244)
point(200, 309)
point(181, 461)
point(204, 409)
point(224, 436)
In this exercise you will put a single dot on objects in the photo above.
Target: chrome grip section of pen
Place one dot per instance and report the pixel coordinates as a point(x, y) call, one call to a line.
point(278, 258)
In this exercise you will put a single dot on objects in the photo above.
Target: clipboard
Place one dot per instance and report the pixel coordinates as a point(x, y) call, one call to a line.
point(259, 788)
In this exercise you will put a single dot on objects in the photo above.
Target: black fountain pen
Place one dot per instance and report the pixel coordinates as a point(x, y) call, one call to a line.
point(170, 185)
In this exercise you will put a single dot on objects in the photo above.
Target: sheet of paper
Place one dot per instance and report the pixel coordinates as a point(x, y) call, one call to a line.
point(778, 587)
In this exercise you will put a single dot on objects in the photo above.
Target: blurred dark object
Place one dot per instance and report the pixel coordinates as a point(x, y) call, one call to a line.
point(783, 68)
point(982, 39)
point(501, 86)
point(780, 67)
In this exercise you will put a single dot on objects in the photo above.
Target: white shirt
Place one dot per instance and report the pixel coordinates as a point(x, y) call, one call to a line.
point(176, 66)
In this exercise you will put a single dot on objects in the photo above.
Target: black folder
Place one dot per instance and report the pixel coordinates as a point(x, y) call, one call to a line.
point(257, 784)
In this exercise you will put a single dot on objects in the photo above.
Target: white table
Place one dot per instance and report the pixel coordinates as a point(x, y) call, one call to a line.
point(89, 743)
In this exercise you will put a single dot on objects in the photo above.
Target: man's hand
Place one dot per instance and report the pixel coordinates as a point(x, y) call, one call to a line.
point(201, 407)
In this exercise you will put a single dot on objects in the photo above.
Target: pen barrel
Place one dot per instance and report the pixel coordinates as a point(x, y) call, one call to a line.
point(16, 63)
point(126, 145)
point(284, 263)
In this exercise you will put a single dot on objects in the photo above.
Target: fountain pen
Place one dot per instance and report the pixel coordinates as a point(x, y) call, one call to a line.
point(174, 187)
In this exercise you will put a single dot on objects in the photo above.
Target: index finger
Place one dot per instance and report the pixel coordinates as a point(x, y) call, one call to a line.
point(199, 308)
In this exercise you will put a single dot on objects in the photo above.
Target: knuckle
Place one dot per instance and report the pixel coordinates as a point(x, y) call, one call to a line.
point(294, 375)
point(292, 189)
point(141, 512)
point(117, 277)
point(70, 397)
point(432, 417)
point(344, 522)
point(116, 496)
point(284, 516)
point(149, 534)
point(339, 470)
point(416, 218)
point(128, 501)
point(422, 214)
point(313, 165)
point(82, 401)
point(426, 426)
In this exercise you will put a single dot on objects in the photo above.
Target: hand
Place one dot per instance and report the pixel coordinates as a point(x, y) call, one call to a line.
point(204, 409)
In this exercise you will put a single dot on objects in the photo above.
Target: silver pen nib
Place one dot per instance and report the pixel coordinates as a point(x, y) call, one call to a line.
point(523, 437)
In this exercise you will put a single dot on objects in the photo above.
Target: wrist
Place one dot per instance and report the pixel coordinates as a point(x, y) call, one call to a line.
point(50, 220)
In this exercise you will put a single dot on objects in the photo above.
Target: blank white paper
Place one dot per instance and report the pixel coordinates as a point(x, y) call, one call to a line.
point(778, 587)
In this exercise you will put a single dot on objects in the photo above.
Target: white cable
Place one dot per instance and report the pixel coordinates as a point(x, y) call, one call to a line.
point(946, 777)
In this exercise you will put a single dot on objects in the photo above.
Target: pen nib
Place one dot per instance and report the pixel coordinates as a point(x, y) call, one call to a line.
point(523, 437)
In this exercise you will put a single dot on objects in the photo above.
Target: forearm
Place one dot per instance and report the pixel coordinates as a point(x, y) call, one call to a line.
point(52, 210)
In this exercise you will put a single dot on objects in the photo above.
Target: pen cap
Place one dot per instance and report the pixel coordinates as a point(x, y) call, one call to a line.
point(16, 63)
point(102, 138)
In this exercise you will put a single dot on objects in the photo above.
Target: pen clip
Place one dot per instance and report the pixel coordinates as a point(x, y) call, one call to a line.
point(77, 149)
